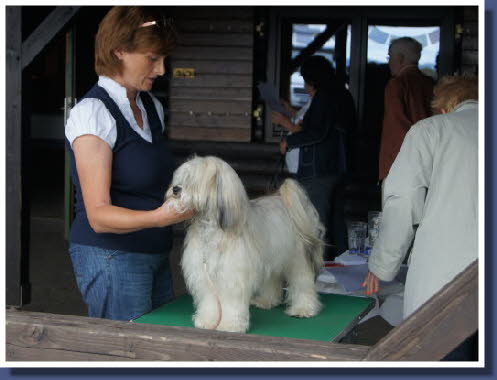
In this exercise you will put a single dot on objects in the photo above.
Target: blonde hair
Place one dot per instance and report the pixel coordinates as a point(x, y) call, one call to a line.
point(122, 28)
point(453, 90)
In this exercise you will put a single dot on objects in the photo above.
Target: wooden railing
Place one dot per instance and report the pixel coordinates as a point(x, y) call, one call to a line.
point(446, 320)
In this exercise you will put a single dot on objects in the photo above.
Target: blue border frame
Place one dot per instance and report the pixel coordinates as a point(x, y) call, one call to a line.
point(216, 373)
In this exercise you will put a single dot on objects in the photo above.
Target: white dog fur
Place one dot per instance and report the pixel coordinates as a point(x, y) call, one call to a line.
point(239, 252)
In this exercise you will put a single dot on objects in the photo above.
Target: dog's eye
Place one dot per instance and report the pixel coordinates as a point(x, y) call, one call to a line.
point(176, 190)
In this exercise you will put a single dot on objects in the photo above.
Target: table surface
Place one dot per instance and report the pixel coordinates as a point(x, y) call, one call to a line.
point(340, 313)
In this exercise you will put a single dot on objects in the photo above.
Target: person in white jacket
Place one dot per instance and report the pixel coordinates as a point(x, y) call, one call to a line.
point(431, 198)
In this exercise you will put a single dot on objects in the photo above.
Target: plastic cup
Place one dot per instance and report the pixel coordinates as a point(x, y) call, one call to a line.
point(374, 220)
point(356, 232)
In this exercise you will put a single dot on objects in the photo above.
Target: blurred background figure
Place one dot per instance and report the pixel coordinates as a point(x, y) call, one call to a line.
point(321, 139)
point(407, 99)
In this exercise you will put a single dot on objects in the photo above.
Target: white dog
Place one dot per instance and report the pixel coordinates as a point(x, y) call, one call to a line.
point(239, 252)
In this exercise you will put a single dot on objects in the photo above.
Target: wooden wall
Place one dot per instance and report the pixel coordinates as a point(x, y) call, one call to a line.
point(469, 56)
point(216, 104)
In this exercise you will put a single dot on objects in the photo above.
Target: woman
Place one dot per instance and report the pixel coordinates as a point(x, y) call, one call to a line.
point(121, 168)
point(431, 198)
point(321, 140)
point(291, 125)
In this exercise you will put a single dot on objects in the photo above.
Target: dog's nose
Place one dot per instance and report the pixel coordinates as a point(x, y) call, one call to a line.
point(176, 190)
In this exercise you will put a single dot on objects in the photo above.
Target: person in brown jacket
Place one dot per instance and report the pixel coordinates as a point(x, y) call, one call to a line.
point(407, 99)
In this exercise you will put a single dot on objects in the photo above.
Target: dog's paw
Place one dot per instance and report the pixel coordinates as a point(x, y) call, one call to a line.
point(233, 326)
point(264, 303)
point(303, 311)
point(202, 323)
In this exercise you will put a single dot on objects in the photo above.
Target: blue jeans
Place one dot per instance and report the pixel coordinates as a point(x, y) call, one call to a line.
point(121, 285)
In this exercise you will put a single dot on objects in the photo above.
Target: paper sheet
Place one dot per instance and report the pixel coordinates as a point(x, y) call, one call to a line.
point(268, 94)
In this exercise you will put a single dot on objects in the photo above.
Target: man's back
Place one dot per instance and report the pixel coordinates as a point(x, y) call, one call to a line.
point(407, 100)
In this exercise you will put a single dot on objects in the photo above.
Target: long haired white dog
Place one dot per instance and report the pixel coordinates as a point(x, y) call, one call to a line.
point(239, 252)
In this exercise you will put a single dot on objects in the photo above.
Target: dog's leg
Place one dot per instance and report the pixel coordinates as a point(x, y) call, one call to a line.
point(236, 314)
point(208, 312)
point(269, 294)
point(302, 298)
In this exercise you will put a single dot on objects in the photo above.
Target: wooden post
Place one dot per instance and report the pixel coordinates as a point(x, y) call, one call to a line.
point(45, 32)
point(437, 327)
point(17, 220)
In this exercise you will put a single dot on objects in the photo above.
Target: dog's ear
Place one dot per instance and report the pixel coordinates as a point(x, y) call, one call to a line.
point(232, 200)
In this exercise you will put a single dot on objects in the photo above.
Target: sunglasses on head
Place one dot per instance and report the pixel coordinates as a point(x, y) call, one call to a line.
point(163, 23)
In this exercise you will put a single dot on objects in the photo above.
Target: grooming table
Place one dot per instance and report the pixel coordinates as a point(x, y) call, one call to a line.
point(340, 313)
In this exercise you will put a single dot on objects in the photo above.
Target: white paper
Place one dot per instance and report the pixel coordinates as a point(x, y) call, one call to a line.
point(268, 94)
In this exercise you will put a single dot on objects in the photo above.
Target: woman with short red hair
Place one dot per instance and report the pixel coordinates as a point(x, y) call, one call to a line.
point(121, 168)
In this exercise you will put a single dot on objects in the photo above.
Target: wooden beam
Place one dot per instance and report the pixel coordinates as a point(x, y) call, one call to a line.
point(45, 32)
point(48, 337)
point(15, 246)
point(316, 44)
point(436, 328)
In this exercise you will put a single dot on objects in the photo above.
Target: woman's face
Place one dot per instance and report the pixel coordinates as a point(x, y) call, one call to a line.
point(139, 70)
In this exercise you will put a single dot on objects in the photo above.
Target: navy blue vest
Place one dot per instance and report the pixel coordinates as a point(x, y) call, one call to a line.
point(141, 173)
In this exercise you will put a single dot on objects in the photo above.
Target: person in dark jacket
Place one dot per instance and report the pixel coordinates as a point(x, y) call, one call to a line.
point(121, 169)
point(322, 140)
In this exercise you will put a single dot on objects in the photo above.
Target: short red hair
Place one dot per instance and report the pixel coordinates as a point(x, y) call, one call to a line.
point(122, 28)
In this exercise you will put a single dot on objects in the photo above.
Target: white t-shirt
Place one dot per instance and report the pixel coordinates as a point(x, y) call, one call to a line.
point(292, 156)
point(91, 117)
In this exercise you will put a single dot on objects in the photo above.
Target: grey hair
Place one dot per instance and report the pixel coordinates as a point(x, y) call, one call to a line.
point(408, 47)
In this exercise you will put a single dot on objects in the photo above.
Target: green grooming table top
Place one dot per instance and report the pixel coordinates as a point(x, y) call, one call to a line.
point(340, 313)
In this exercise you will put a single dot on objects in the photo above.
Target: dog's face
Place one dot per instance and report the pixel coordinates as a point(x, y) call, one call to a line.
point(212, 188)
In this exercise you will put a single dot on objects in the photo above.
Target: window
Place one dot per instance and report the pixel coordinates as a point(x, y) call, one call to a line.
point(302, 36)
point(380, 37)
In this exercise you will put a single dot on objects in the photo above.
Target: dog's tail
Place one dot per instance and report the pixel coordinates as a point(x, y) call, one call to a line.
point(306, 220)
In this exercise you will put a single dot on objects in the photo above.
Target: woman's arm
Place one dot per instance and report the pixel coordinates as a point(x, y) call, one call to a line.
point(318, 120)
point(93, 163)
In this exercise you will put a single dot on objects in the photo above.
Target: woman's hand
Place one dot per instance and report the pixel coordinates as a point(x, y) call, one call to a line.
point(371, 283)
point(94, 165)
point(171, 212)
point(279, 118)
point(292, 111)
point(283, 146)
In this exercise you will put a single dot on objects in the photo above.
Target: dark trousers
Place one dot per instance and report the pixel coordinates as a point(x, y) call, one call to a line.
point(321, 192)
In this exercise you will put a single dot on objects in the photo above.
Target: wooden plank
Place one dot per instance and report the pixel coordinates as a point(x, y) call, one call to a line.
point(469, 69)
point(214, 81)
point(268, 152)
point(217, 39)
point(469, 57)
point(470, 13)
point(210, 134)
point(45, 32)
point(215, 67)
point(223, 106)
point(470, 42)
point(48, 337)
point(219, 12)
point(15, 246)
point(214, 26)
point(233, 93)
point(470, 28)
point(182, 119)
point(215, 53)
point(437, 327)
